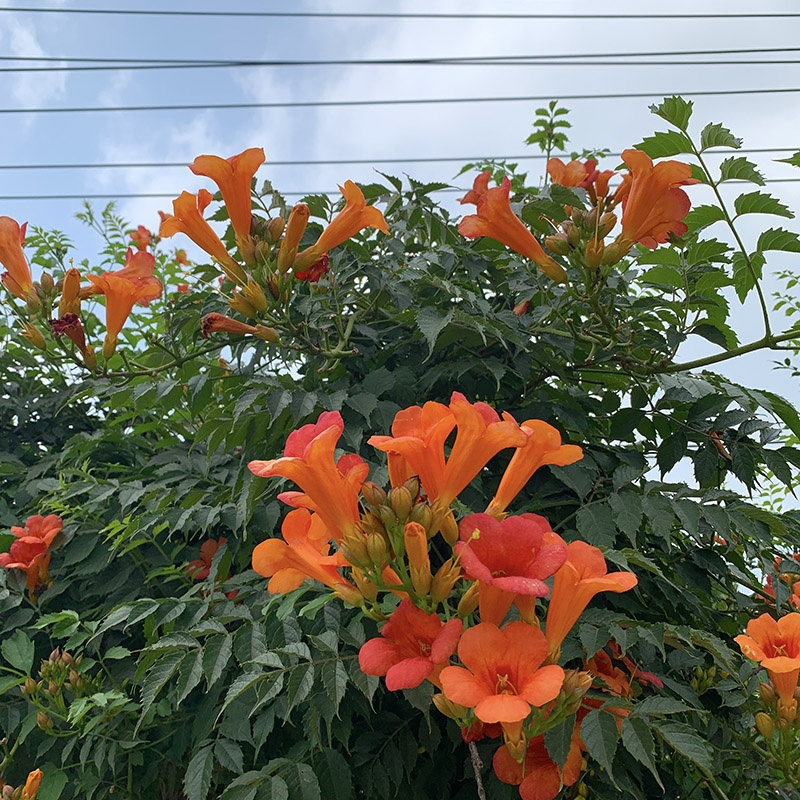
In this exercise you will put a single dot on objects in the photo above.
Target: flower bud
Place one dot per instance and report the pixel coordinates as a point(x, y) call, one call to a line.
point(590, 220)
point(376, 548)
point(367, 588)
point(43, 722)
point(469, 600)
point(557, 243)
point(48, 284)
point(29, 687)
point(522, 307)
point(388, 517)
point(606, 225)
point(765, 725)
point(578, 216)
point(767, 693)
point(266, 334)
point(354, 548)
point(33, 335)
point(422, 514)
point(449, 528)
point(594, 253)
point(32, 302)
point(612, 254)
point(254, 295)
point(70, 302)
point(373, 494)
point(239, 303)
point(444, 580)
point(263, 252)
point(274, 229)
point(401, 502)
point(90, 358)
point(415, 538)
point(412, 484)
point(295, 228)
point(31, 788)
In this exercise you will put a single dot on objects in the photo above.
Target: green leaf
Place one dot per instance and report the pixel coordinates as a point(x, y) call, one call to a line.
point(596, 525)
point(761, 203)
point(779, 239)
point(558, 740)
point(745, 275)
point(229, 755)
point(431, 323)
point(674, 110)
point(685, 741)
point(216, 655)
point(52, 785)
point(600, 735)
point(191, 672)
point(664, 276)
point(785, 411)
point(197, 780)
point(794, 160)
point(712, 334)
point(157, 677)
point(702, 216)
point(333, 773)
point(740, 169)
point(779, 467)
point(301, 780)
point(240, 685)
point(671, 451)
point(665, 143)
point(626, 508)
point(299, 684)
point(18, 650)
point(659, 706)
point(334, 679)
point(638, 741)
point(715, 135)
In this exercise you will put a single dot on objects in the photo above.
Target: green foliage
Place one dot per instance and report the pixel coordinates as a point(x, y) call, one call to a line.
point(214, 688)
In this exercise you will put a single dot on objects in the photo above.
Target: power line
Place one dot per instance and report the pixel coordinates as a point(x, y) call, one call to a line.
point(400, 102)
point(338, 161)
point(171, 195)
point(387, 15)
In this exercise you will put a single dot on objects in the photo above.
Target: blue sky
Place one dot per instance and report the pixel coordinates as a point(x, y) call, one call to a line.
point(407, 131)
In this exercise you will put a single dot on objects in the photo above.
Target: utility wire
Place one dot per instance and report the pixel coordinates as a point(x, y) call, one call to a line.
point(387, 15)
point(401, 102)
point(171, 195)
point(336, 161)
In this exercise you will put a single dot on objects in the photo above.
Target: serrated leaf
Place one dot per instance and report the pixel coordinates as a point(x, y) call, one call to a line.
point(706, 462)
point(299, 684)
point(157, 677)
point(665, 143)
point(741, 169)
point(596, 525)
point(660, 515)
point(785, 411)
point(702, 216)
point(229, 755)
point(600, 735)
point(558, 740)
point(761, 203)
point(746, 272)
point(333, 773)
point(715, 135)
point(743, 462)
point(779, 239)
point(191, 672)
point(301, 780)
point(197, 780)
point(711, 333)
point(334, 679)
point(18, 651)
point(431, 323)
point(626, 508)
point(674, 110)
point(216, 655)
point(671, 451)
point(685, 741)
point(239, 686)
point(779, 467)
point(794, 159)
point(638, 741)
point(663, 276)
point(659, 706)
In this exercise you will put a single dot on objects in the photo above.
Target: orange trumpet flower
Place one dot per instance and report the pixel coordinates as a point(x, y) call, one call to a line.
point(234, 177)
point(542, 447)
point(354, 217)
point(583, 575)
point(17, 277)
point(496, 220)
point(138, 270)
point(775, 644)
point(653, 207)
point(188, 219)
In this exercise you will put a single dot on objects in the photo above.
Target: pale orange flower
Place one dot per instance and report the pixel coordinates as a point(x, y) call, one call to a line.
point(354, 217)
point(234, 177)
point(542, 447)
point(188, 219)
point(17, 277)
point(496, 220)
point(575, 173)
point(479, 188)
point(138, 271)
point(653, 207)
point(31, 788)
point(141, 237)
point(583, 575)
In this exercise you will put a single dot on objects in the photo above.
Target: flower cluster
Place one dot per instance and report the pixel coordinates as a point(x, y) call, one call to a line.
point(456, 580)
point(652, 203)
point(31, 549)
point(28, 791)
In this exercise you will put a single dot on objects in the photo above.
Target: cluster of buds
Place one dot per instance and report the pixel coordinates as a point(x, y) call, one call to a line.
point(28, 791)
point(703, 678)
point(59, 676)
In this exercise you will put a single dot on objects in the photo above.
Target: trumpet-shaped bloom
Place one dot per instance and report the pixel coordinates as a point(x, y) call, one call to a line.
point(496, 220)
point(575, 173)
point(775, 644)
point(583, 575)
point(39, 527)
point(502, 676)
point(538, 776)
point(121, 295)
point(653, 207)
point(138, 270)
point(30, 555)
point(234, 177)
point(141, 237)
point(412, 646)
point(303, 553)
point(17, 277)
point(308, 460)
point(354, 217)
point(419, 435)
point(508, 558)
point(200, 568)
point(188, 218)
point(479, 188)
point(542, 447)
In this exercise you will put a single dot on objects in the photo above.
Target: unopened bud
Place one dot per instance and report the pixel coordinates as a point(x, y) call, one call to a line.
point(48, 284)
point(578, 216)
point(367, 588)
point(765, 725)
point(449, 708)
point(90, 357)
point(43, 722)
point(590, 220)
point(469, 601)
point(422, 514)
point(612, 255)
point(263, 252)
point(373, 494)
point(274, 229)
point(32, 302)
point(607, 223)
point(401, 502)
point(557, 243)
point(444, 580)
point(254, 295)
point(376, 548)
point(449, 528)
point(388, 517)
point(766, 693)
point(29, 687)
point(415, 538)
point(266, 334)
point(354, 548)
point(412, 484)
point(239, 303)
point(522, 307)
point(33, 335)
point(594, 253)
point(295, 227)
point(54, 655)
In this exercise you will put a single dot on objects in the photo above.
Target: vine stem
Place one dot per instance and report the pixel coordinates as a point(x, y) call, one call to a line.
point(477, 766)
